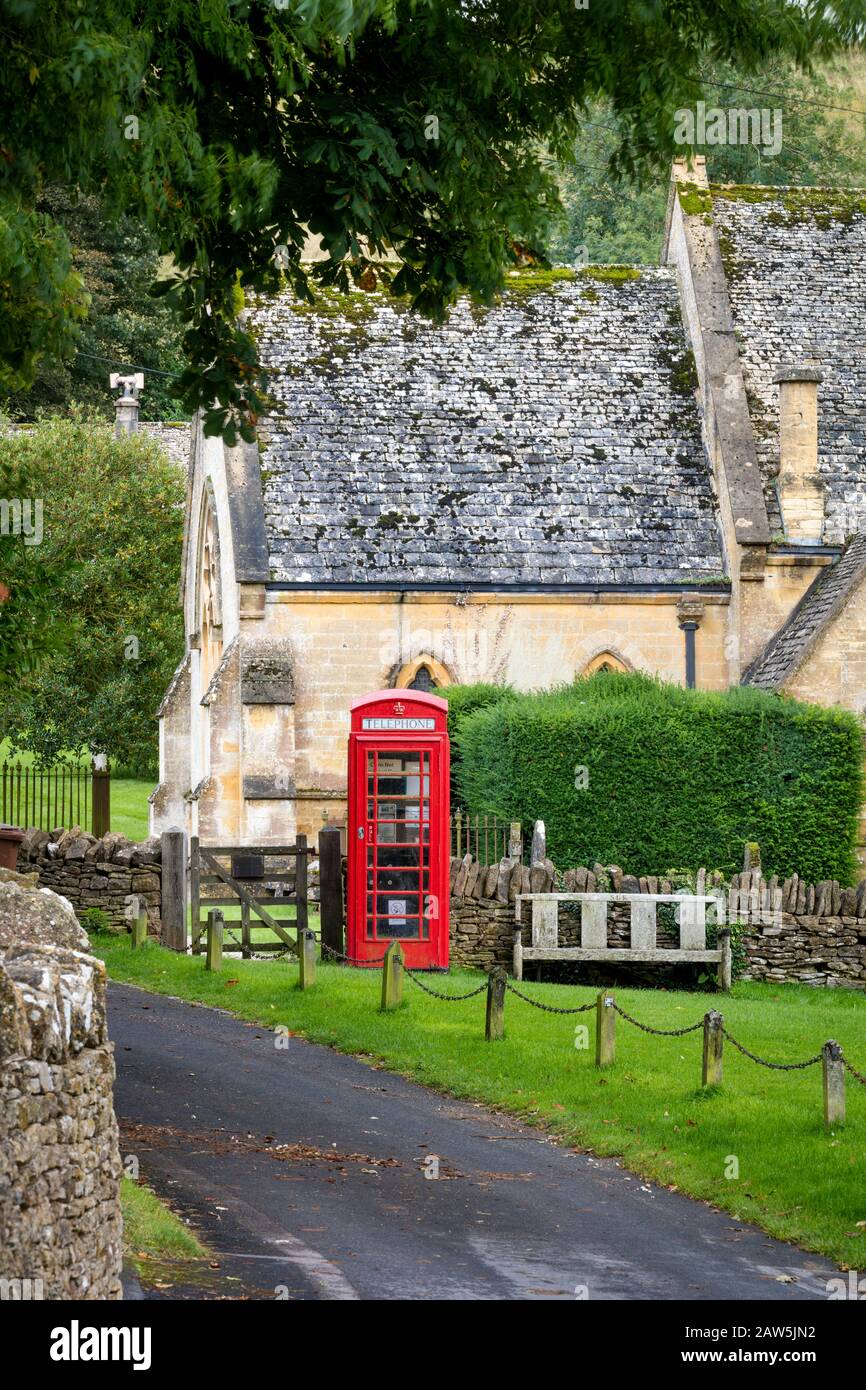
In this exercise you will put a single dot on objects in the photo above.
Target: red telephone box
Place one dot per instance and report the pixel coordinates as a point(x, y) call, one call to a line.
point(398, 851)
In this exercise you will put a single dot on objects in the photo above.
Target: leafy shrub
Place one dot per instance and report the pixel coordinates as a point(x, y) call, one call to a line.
point(673, 776)
point(464, 700)
point(94, 919)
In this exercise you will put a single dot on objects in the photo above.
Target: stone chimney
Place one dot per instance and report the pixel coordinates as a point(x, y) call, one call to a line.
point(126, 405)
point(801, 492)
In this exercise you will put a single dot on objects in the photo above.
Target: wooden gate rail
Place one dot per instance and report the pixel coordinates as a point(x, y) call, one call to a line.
point(205, 869)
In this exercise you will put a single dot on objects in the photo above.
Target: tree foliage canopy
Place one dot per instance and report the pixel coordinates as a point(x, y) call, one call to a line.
point(107, 567)
point(423, 129)
point(823, 142)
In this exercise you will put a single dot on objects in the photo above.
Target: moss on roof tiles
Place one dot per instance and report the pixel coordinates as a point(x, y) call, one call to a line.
point(821, 205)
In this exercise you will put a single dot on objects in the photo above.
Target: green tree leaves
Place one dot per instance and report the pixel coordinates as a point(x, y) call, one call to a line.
point(235, 129)
point(107, 567)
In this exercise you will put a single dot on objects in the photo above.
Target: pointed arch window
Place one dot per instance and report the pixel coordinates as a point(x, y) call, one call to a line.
point(605, 661)
point(209, 595)
point(424, 673)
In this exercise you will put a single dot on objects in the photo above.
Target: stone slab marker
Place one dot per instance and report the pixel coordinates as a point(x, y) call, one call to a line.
point(538, 853)
point(173, 907)
point(515, 842)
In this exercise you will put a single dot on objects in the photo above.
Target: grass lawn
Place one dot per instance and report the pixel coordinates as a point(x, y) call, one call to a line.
point(800, 1183)
point(129, 806)
point(155, 1239)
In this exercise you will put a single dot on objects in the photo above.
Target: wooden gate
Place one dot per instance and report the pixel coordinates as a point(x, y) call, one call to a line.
point(237, 886)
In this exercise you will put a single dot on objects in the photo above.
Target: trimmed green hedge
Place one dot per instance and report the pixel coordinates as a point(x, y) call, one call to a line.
point(675, 776)
point(464, 700)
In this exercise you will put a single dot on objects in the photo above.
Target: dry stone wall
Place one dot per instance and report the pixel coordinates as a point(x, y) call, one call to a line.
point(60, 1167)
point(806, 933)
point(93, 873)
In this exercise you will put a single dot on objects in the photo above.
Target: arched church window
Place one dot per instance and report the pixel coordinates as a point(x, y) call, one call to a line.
point(422, 680)
point(424, 673)
point(605, 661)
point(209, 605)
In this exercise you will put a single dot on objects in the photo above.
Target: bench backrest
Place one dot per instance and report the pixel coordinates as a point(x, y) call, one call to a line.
point(593, 917)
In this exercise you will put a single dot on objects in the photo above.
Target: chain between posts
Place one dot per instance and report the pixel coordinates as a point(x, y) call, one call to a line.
point(255, 955)
point(351, 960)
point(774, 1066)
point(857, 1075)
point(437, 994)
point(658, 1032)
point(548, 1008)
point(553, 1008)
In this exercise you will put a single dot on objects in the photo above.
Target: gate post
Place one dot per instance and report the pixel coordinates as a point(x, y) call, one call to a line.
point(331, 889)
point(194, 893)
point(301, 886)
point(173, 906)
point(100, 803)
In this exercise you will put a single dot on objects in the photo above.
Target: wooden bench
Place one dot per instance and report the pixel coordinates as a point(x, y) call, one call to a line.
point(593, 930)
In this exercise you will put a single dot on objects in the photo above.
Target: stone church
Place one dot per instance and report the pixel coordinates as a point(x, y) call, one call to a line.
point(656, 468)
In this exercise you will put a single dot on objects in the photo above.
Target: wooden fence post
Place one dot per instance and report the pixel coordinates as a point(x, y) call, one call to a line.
point(834, 1084)
point(173, 901)
point(301, 910)
point(331, 889)
point(214, 957)
point(194, 892)
point(723, 937)
point(100, 805)
point(605, 1030)
point(392, 977)
point(494, 1027)
point(711, 1074)
point(307, 958)
point(139, 927)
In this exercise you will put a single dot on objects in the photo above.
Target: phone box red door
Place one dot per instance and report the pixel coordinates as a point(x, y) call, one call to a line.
point(399, 850)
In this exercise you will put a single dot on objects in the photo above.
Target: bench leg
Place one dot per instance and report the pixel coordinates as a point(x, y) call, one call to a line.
point(518, 954)
point(725, 962)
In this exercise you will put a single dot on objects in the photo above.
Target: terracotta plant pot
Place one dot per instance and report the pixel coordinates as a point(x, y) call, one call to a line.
point(10, 839)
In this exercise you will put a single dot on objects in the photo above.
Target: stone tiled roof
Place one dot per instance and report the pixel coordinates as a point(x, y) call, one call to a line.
point(552, 439)
point(796, 267)
point(788, 649)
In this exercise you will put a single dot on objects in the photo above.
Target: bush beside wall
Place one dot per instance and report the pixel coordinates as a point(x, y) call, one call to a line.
point(674, 776)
